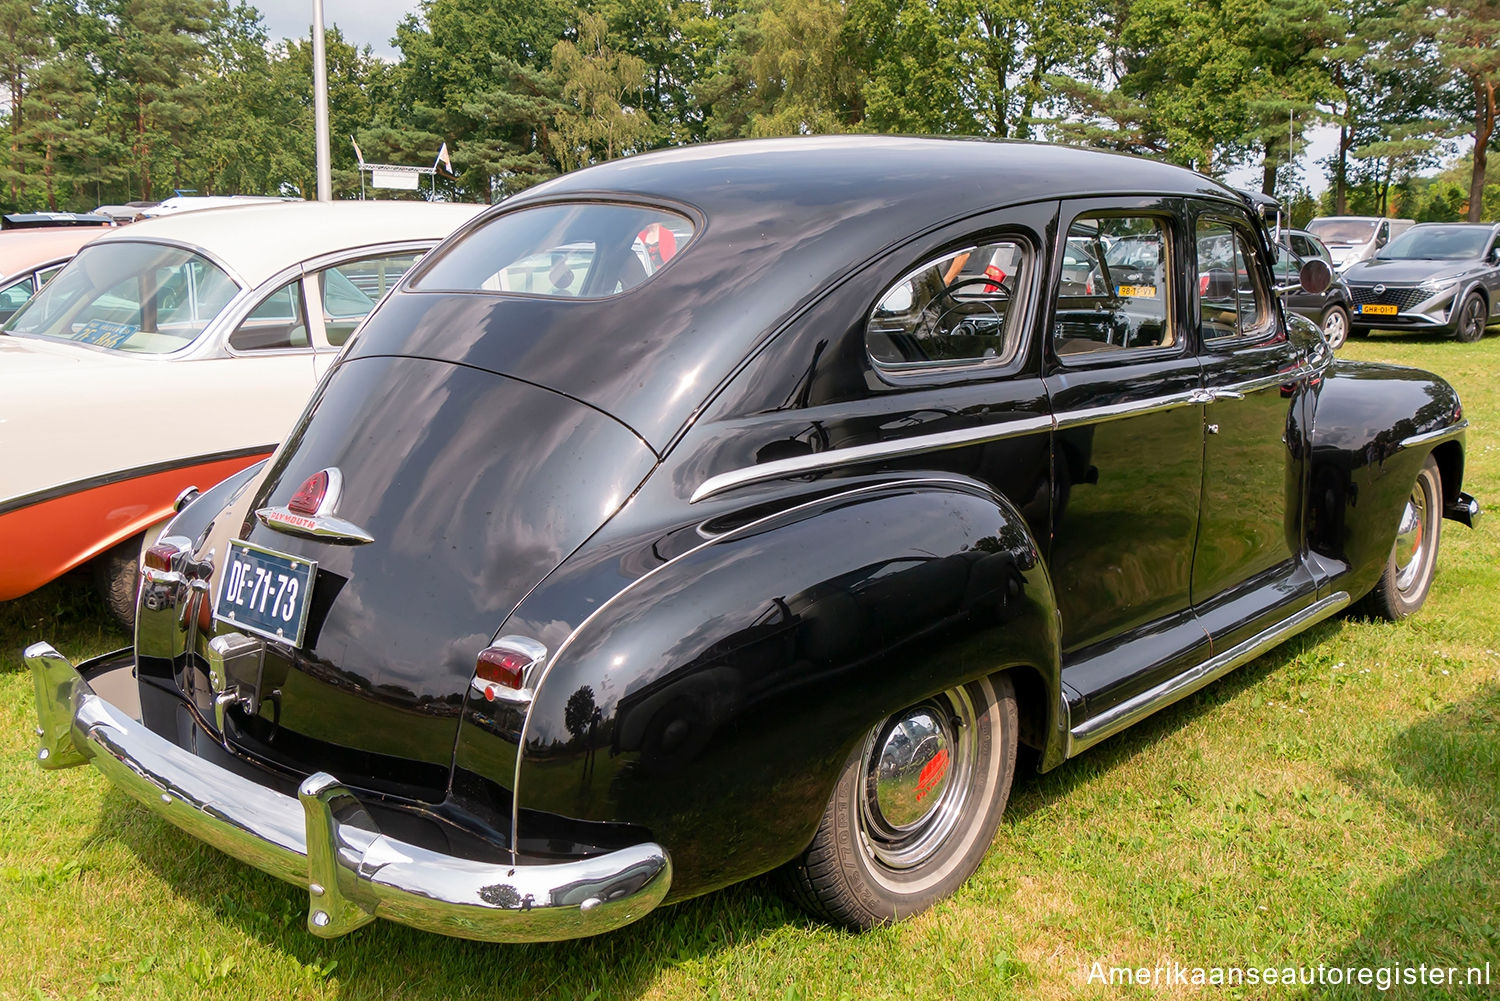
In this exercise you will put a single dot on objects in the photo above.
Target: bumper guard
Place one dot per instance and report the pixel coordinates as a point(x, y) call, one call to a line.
point(328, 842)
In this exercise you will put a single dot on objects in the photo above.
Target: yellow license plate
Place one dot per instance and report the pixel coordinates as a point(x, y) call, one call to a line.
point(1379, 310)
point(1138, 291)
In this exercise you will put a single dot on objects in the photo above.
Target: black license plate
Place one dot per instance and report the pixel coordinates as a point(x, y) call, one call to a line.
point(265, 592)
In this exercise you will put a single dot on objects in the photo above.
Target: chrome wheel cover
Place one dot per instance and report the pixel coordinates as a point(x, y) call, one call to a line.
point(918, 772)
point(1410, 552)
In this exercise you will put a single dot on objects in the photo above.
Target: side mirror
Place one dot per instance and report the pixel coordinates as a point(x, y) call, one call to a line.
point(1495, 254)
point(1315, 276)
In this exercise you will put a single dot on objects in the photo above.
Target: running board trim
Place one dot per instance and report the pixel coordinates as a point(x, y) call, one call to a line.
point(1133, 710)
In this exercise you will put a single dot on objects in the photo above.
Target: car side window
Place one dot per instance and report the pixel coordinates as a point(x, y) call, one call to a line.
point(959, 309)
point(1233, 300)
point(13, 297)
point(1114, 288)
point(352, 289)
point(279, 323)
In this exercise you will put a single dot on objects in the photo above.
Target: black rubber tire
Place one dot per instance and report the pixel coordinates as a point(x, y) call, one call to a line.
point(837, 880)
point(116, 574)
point(1390, 599)
point(1339, 335)
point(1472, 315)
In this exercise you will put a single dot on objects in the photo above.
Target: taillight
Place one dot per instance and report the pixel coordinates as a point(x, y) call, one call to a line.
point(309, 496)
point(1203, 284)
point(507, 668)
point(164, 556)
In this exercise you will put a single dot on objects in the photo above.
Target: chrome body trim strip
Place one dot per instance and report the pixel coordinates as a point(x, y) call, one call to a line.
point(1112, 721)
point(325, 840)
point(854, 455)
point(1432, 437)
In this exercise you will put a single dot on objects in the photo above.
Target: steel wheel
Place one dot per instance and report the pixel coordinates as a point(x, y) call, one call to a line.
point(1408, 573)
point(1336, 326)
point(1471, 318)
point(914, 809)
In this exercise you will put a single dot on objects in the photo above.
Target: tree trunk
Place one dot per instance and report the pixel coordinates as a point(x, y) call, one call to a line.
point(1484, 127)
point(1341, 171)
point(1268, 165)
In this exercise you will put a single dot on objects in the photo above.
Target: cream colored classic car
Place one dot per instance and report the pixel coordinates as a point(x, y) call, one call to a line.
point(171, 354)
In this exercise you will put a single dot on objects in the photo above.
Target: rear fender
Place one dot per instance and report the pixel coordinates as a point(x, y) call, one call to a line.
point(714, 701)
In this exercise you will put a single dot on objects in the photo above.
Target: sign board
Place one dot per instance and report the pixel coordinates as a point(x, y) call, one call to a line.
point(401, 179)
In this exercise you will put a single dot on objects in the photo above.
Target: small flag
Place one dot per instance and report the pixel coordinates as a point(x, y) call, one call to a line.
point(442, 158)
point(357, 154)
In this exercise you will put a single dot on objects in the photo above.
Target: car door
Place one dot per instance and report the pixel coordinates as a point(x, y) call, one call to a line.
point(266, 373)
point(1124, 385)
point(1247, 567)
point(348, 291)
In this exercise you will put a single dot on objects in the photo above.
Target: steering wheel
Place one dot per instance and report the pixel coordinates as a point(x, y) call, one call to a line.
point(994, 286)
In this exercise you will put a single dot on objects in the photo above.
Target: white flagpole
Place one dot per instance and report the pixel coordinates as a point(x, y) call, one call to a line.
point(320, 106)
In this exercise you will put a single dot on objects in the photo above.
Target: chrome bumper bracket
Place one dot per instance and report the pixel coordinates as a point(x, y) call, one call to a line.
point(325, 839)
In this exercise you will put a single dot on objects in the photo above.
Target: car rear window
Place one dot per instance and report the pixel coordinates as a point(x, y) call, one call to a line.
point(586, 250)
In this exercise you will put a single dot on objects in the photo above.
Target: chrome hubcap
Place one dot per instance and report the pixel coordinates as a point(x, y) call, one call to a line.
point(1411, 540)
point(918, 770)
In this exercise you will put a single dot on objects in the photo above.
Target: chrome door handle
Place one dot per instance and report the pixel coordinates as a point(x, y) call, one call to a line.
point(1226, 394)
point(1200, 396)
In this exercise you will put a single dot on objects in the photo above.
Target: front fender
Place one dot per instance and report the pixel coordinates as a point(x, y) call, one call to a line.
point(714, 701)
point(1373, 427)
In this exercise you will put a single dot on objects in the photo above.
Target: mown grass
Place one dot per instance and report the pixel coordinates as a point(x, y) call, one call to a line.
point(1336, 802)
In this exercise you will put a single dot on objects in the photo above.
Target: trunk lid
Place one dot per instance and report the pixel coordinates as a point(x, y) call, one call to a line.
point(472, 486)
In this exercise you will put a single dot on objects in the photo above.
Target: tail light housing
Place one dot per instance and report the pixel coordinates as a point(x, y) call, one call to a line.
point(507, 670)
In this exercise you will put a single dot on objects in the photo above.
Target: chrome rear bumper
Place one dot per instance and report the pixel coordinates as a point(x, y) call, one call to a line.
point(328, 842)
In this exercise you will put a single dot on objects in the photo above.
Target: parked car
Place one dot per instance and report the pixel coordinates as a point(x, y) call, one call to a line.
point(703, 513)
point(233, 313)
point(30, 258)
point(1354, 238)
point(1330, 308)
point(1442, 277)
point(52, 220)
point(197, 203)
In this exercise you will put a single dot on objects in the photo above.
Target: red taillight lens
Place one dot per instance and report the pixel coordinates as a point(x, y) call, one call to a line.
point(160, 556)
point(505, 668)
point(309, 496)
point(1203, 284)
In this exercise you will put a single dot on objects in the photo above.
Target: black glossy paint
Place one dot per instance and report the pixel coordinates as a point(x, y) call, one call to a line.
point(526, 466)
point(474, 486)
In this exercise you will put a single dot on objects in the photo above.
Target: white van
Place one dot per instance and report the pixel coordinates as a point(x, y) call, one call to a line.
point(1354, 238)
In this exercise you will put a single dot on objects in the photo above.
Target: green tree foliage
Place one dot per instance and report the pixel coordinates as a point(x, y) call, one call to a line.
point(109, 100)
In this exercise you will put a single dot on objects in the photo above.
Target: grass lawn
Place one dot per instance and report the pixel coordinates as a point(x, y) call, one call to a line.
point(1335, 802)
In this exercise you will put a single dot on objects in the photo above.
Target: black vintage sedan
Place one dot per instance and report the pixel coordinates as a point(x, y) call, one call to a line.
point(749, 507)
point(1442, 277)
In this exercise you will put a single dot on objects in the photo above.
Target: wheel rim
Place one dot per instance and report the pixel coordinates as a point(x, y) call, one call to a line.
point(1335, 327)
point(1473, 317)
point(1411, 540)
point(919, 767)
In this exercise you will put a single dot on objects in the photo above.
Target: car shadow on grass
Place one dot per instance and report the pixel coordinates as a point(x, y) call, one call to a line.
point(389, 960)
point(1442, 772)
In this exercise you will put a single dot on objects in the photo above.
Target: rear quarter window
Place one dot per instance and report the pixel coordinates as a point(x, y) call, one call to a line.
point(587, 250)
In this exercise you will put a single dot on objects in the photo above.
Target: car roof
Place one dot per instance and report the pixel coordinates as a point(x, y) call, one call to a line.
point(258, 240)
point(23, 249)
point(778, 223)
point(957, 175)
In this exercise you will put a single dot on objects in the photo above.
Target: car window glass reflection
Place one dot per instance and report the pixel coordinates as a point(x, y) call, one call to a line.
point(952, 310)
point(1113, 289)
point(351, 290)
point(575, 251)
point(1232, 299)
point(278, 323)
